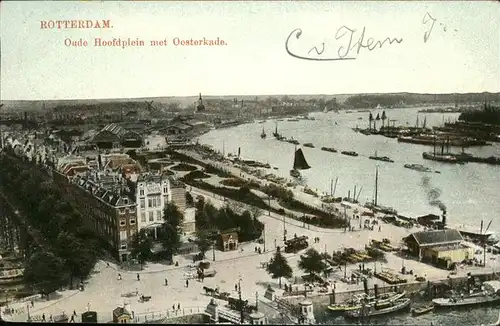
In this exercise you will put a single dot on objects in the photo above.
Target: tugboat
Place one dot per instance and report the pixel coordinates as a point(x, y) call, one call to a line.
point(372, 310)
point(299, 163)
point(350, 153)
point(329, 149)
point(263, 134)
point(490, 295)
point(310, 145)
point(380, 158)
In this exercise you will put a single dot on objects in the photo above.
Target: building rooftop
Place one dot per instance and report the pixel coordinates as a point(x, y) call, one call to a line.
point(99, 191)
point(436, 237)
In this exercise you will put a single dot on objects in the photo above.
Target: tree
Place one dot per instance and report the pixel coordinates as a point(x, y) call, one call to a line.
point(278, 267)
point(312, 262)
point(256, 211)
point(141, 246)
point(203, 241)
point(77, 257)
point(189, 199)
point(172, 229)
point(44, 272)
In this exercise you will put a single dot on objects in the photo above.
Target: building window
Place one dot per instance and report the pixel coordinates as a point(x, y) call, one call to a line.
point(150, 202)
point(122, 222)
point(123, 235)
point(143, 217)
point(165, 190)
point(143, 203)
point(151, 217)
point(124, 246)
point(132, 222)
point(122, 211)
point(158, 215)
point(141, 192)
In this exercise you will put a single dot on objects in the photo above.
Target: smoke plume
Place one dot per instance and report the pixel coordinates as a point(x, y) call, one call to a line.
point(433, 194)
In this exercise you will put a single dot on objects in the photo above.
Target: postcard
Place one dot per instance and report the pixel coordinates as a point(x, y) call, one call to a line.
point(250, 162)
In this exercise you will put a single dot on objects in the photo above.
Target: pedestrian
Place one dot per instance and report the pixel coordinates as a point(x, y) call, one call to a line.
point(166, 282)
point(236, 287)
point(178, 306)
point(119, 276)
point(187, 283)
point(74, 312)
point(32, 303)
point(50, 319)
point(379, 228)
point(43, 317)
point(72, 320)
point(138, 277)
point(173, 306)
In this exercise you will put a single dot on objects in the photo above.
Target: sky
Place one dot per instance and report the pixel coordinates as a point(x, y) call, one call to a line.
point(461, 53)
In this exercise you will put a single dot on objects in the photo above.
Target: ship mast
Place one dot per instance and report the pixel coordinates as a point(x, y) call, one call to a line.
point(376, 185)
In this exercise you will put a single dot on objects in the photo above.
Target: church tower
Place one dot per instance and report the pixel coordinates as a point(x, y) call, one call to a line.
point(200, 106)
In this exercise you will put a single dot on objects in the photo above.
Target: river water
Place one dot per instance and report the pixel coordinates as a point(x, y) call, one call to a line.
point(470, 191)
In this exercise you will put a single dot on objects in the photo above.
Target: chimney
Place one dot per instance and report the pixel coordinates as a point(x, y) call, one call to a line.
point(444, 220)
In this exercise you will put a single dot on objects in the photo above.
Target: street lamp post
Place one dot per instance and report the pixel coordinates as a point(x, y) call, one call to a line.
point(264, 236)
point(213, 250)
point(284, 228)
point(242, 317)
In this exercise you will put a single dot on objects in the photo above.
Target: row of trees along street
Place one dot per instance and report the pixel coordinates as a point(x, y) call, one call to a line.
point(311, 262)
point(73, 248)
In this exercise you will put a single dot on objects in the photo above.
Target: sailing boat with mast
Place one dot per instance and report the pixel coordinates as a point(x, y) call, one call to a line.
point(263, 134)
point(276, 133)
point(374, 205)
point(299, 163)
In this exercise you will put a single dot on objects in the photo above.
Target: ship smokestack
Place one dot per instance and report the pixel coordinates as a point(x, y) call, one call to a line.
point(444, 219)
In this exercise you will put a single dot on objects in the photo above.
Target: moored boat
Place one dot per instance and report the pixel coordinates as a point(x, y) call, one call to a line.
point(263, 134)
point(380, 158)
point(441, 158)
point(422, 310)
point(329, 149)
point(490, 295)
point(356, 303)
point(349, 153)
point(372, 310)
point(310, 145)
point(417, 167)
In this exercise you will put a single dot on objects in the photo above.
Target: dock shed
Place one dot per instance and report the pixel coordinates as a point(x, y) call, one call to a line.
point(442, 248)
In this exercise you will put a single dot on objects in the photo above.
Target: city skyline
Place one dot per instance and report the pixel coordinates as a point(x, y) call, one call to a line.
point(459, 54)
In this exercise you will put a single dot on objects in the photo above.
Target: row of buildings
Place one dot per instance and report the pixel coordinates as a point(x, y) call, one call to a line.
point(116, 196)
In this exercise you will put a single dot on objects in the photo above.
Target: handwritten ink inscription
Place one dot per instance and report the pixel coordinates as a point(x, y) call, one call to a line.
point(429, 23)
point(349, 42)
point(349, 46)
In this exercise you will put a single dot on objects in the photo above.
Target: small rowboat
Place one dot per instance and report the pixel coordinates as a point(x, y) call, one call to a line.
point(422, 310)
